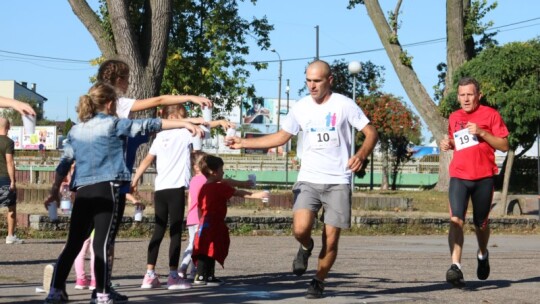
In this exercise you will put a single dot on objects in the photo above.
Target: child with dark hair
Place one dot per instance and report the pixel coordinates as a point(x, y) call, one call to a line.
point(212, 239)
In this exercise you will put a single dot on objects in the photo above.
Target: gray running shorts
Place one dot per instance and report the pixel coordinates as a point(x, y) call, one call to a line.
point(335, 200)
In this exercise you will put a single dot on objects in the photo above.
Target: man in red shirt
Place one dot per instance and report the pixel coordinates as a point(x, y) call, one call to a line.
point(475, 132)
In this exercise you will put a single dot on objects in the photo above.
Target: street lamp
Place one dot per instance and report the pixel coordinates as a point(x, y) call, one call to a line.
point(354, 68)
point(287, 89)
point(279, 86)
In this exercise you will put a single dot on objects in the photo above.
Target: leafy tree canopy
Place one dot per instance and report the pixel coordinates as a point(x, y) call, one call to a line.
point(509, 78)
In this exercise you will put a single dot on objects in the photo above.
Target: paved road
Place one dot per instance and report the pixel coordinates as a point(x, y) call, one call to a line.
point(388, 269)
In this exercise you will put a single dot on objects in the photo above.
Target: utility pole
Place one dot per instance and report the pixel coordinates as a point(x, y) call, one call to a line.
point(316, 42)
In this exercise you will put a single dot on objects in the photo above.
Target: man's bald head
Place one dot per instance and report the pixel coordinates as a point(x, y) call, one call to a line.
point(322, 66)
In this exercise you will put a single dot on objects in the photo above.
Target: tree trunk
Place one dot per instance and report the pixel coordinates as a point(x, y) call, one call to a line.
point(384, 174)
point(455, 42)
point(416, 92)
point(145, 52)
point(506, 181)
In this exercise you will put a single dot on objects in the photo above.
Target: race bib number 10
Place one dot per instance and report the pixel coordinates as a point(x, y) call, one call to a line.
point(323, 138)
point(463, 139)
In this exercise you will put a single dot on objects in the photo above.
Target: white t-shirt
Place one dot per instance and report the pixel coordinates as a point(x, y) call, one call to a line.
point(326, 134)
point(123, 106)
point(172, 151)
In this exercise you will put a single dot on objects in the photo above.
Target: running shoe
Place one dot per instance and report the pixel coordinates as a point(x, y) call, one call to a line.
point(81, 284)
point(199, 280)
point(177, 283)
point(48, 272)
point(114, 296)
point(482, 272)
point(150, 281)
point(13, 240)
point(57, 296)
point(454, 276)
point(315, 289)
point(213, 281)
point(300, 262)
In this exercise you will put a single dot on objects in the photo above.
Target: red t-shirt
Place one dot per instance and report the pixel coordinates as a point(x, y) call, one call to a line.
point(212, 239)
point(478, 161)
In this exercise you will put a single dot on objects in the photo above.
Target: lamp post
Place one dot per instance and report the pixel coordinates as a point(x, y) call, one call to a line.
point(354, 68)
point(287, 89)
point(279, 86)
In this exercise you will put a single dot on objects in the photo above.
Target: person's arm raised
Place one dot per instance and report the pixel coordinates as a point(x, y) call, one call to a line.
point(268, 141)
point(165, 100)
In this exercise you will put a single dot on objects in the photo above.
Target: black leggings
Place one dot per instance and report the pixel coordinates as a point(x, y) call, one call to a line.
point(95, 206)
point(206, 266)
point(480, 192)
point(168, 204)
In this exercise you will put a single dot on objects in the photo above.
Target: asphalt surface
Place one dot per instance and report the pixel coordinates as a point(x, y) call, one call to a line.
point(369, 269)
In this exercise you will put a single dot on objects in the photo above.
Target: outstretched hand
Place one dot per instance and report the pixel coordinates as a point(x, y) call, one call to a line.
point(234, 142)
point(202, 101)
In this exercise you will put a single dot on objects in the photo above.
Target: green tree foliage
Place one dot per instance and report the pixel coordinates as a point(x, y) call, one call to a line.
point(368, 81)
point(207, 49)
point(67, 126)
point(509, 80)
point(397, 126)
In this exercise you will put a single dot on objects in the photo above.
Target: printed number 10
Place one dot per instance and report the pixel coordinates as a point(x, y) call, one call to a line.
point(323, 137)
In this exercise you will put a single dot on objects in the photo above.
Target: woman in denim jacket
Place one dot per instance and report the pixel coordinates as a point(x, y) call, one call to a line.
point(97, 144)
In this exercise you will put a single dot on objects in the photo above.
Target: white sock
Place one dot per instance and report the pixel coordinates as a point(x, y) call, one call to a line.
point(458, 265)
point(150, 273)
point(482, 257)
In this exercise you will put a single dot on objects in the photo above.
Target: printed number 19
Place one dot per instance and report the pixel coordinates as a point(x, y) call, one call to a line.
point(323, 137)
point(464, 139)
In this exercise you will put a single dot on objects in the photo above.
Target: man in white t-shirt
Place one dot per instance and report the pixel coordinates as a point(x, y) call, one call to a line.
point(327, 166)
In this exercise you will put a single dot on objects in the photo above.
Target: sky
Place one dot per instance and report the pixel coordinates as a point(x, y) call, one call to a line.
point(43, 42)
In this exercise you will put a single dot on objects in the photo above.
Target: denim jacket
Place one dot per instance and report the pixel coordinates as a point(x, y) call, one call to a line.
point(98, 147)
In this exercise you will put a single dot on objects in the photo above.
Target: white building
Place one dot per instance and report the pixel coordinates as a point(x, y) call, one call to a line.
point(21, 91)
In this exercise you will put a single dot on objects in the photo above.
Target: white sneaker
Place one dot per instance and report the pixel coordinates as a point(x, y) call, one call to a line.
point(47, 277)
point(13, 240)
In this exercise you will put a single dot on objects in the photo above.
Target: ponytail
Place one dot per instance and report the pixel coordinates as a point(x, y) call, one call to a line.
point(99, 95)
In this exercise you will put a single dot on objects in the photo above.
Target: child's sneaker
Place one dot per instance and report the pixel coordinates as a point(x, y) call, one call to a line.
point(199, 280)
point(92, 285)
point(213, 281)
point(13, 240)
point(177, 283)
point(57, 296)
point(83, 283)
point(193, 273)
point(48, 272)
point(150, 281)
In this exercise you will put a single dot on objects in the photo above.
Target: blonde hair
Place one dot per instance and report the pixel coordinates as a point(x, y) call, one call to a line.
point(196, 158)
point(96, 100)
point(176, 109)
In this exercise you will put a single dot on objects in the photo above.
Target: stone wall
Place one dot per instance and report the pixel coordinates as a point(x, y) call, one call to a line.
point(275, 223)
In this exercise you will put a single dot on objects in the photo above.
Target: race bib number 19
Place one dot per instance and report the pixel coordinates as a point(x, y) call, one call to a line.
point(463, 139)
point(323, 138)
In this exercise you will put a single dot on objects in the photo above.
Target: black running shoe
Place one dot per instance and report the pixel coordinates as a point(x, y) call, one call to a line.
point(300, 262)
point(454, 276)
point(315, 289)
point(482, 272)
point(113, 294)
